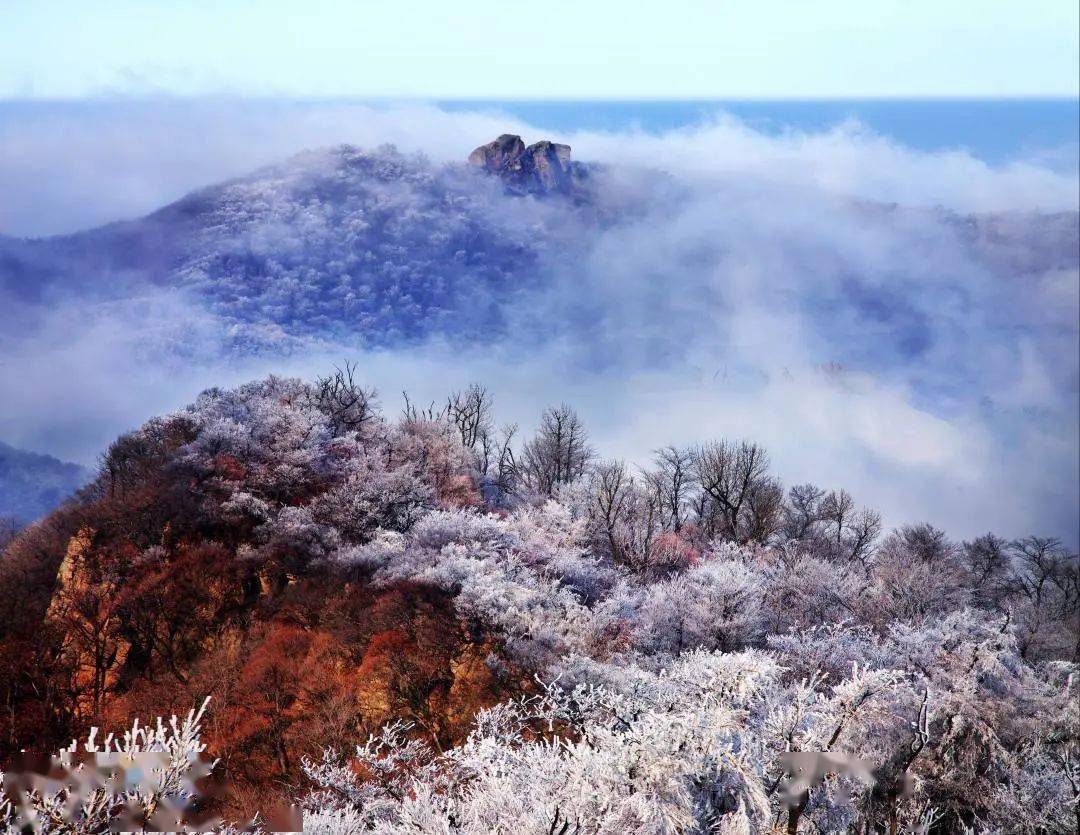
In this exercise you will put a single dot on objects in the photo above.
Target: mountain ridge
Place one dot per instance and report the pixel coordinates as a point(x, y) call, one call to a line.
point(32, 483)
point(378, 228)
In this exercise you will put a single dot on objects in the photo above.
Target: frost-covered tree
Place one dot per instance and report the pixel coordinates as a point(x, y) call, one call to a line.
point(144, 779)
point(679, 649)
point(742, 501)
point(558, 453)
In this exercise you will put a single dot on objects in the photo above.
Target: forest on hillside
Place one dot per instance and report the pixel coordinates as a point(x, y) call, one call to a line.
point(428, 622)
point(588, 419)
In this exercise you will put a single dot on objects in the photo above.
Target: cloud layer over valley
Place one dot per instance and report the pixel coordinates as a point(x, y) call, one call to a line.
point(902, 324)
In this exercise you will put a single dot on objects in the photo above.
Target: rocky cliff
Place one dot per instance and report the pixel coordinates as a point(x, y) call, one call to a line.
point(543, 168)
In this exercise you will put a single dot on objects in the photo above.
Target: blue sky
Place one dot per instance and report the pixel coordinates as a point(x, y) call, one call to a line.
point(558, 49)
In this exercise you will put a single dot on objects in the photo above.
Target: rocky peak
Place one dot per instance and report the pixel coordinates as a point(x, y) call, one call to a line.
point(540, 169)
point(498, 154)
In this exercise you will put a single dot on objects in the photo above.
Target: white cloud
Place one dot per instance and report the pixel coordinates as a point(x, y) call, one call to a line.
point(750, 296)
point(65, 167)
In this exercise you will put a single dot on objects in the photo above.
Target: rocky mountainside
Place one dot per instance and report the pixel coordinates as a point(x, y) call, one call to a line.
point(155, 559)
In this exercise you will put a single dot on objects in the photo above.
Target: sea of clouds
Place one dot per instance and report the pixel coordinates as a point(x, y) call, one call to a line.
point(759, 289)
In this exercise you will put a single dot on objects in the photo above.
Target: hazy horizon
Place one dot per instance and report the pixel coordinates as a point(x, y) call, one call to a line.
point(128, 147)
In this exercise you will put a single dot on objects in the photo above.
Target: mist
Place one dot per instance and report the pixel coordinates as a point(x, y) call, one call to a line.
point(66, 166)
point(819, 293)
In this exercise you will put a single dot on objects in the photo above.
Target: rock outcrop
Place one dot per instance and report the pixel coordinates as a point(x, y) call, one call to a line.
point(542, 168)
point(496, 156)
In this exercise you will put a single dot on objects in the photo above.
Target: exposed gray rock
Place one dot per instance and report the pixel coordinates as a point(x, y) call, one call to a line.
point(499, 154)
point(541, 168)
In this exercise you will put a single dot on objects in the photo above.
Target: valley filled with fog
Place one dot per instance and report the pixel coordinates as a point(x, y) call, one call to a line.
point(897, 322)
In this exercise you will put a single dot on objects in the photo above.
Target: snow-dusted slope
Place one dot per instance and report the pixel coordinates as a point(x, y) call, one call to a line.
point(376, 245)
point(381, 248)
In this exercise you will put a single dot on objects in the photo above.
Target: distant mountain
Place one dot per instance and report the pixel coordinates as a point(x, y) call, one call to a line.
point(382, 248)
point(32, 484)
point(378, 245)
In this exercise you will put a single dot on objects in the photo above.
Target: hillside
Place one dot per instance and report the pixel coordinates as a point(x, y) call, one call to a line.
point(372, 245)
point(545, 636)
point(31, 484)
point(378, 248)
